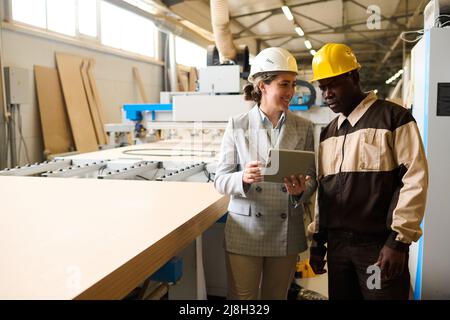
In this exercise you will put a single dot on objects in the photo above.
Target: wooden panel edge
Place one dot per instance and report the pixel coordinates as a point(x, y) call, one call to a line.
point(123, 280)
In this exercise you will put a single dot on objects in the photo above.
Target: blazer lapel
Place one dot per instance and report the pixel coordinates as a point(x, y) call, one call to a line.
point(289, 135)
point(257, 139)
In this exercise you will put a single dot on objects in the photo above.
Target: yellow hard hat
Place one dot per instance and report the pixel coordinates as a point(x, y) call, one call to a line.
point(333, 59)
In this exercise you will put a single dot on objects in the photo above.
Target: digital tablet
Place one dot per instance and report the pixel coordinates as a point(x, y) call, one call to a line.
point(285, 163)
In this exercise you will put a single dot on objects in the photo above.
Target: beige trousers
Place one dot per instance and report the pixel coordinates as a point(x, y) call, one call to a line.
point(267, 278)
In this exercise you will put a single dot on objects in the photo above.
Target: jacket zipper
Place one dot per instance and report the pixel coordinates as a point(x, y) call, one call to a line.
point(343, 153)
point(340, 178)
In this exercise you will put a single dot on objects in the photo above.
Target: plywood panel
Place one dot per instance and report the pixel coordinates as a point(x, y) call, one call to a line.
point(187, 78)
point(94, 249)
point(193, 77)
point(95, 92)
point(183, 81)
point(69, 68)
point(54, 121)
point(98, 125)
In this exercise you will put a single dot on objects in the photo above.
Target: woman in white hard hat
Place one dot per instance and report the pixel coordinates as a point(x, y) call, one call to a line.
point(264, 232)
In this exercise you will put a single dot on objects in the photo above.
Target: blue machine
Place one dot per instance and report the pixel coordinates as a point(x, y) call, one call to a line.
point(307, 100)
point(171, 272)
point(134, 111)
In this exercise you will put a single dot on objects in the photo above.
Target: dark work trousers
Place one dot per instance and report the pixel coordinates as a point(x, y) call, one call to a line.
point(350, 276)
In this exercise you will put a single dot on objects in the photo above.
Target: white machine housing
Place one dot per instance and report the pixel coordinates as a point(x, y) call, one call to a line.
point(209, 107)
point(429, 260)
point(220, 79)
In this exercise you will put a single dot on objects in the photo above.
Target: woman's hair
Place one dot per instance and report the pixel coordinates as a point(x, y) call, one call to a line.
point(252, 91)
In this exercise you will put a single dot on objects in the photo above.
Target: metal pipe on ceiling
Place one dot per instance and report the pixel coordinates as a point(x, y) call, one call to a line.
point(220, 19)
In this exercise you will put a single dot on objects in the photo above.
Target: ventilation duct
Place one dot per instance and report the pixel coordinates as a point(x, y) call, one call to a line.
point(221, 28)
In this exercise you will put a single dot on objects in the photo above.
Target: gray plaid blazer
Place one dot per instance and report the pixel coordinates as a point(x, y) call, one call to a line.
point(264, 220)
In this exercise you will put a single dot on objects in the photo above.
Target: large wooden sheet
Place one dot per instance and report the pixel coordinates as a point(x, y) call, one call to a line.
point(95, 92)
point(95, 239)
point(145, 152)
point(54, 121)
point(69, 68)
point(193, 77)
point(98, 125)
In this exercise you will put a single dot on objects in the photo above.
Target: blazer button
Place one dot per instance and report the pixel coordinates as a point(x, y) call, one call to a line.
point(283, 216)
point(283, 189)
point(258, 215)
point(258, 189)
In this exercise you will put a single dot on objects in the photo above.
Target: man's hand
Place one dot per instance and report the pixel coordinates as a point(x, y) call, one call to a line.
point(317, 263)
point(252, 172)
point(295, 185)
point(391, 262)
point(317, 257)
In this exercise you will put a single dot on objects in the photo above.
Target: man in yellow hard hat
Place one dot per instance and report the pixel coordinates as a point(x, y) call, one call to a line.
point(373, 180)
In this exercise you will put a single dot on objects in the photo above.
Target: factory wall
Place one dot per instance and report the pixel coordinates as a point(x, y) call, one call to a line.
point(113, 74)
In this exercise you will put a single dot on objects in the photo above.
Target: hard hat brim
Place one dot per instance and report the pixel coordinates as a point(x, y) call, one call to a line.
point(252, 77)
point(334, 74)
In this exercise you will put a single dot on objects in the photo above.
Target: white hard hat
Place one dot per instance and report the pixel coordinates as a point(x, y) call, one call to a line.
point(272, 59)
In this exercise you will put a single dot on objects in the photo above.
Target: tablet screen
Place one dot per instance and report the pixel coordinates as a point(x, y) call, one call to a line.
point(284, 163)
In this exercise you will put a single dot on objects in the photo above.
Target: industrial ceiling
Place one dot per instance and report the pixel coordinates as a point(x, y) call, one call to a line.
point(261, 23)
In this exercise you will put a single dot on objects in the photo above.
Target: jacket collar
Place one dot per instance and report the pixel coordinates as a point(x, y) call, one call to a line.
point(359, 111)
point(265, 119)
point(257, 135)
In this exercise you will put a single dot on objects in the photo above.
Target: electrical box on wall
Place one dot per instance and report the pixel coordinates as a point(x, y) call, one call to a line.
point(16, 85)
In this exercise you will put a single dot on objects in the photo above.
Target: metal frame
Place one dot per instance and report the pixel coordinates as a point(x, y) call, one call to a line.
point(254, 24)
point(382, 16)
point(184, 173)
point(75, 171)
point(131, 171)
point(419, 8)
point(338, 30)
point(343, 27)
point(32, 169)
point(278, 8)
point(380, 43)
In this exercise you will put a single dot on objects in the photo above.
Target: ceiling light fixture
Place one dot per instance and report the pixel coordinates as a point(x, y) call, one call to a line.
point(287, 12)
point(394, 77)
point(299, 31)
point(313, 52)
point(308, 44)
